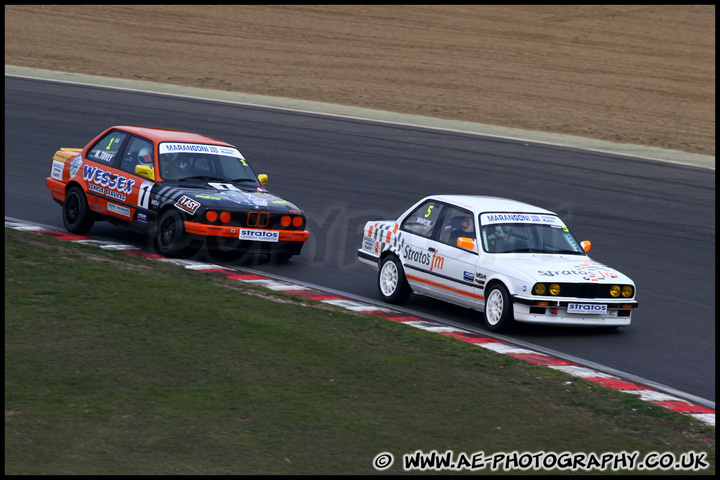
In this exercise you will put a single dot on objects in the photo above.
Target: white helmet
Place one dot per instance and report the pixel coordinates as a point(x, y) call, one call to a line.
point(145, 156)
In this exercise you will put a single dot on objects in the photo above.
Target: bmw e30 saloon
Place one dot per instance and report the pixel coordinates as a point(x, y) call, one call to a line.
point(511, 260)
point(182, 188)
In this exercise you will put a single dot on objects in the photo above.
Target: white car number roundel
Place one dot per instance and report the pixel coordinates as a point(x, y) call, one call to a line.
point(144, 195)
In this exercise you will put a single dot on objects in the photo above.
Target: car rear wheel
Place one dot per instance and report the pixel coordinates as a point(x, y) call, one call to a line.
point(392, 283)
point(498, 309)
point(171, 239)
point(77, 216)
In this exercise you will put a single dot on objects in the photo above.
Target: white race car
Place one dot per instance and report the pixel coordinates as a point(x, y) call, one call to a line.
point(511, 260)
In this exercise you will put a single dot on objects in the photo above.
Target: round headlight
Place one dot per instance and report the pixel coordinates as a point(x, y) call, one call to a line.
point(615, 290)
point(539, 289)
point(627, 291)
point(554, 289)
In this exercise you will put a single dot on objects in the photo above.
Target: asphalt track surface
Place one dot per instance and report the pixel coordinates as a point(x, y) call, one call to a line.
point(653, 220)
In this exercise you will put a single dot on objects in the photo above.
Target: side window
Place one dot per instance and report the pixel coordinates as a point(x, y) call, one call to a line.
point(457, 223)
point(424, 219)
point(106, 149)
point(138, 152)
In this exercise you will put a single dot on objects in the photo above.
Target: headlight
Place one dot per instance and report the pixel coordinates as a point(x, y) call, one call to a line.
point(554, 289)
point(627, 291)
point(615, 290)
point(539, 289)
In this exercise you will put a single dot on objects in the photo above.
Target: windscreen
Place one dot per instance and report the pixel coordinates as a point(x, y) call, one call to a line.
point(186, 161)
point(527, 233)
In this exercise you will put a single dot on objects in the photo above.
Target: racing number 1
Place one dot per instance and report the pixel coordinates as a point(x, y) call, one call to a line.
point(144, 195)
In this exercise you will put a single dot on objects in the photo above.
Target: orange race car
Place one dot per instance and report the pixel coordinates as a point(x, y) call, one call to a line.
point(181, 188)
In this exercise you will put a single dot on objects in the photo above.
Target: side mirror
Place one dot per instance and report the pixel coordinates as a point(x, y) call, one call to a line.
point(262, 178)
point(145, 171)
point(466, 243)
point(586, 245)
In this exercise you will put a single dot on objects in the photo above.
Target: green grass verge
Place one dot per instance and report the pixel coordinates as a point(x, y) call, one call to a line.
point(117, 364)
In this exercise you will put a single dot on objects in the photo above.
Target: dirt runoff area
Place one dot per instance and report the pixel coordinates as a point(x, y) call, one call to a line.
point(637, 74)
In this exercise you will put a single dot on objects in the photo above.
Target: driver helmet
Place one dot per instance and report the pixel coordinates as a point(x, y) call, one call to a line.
point(466, 224)
point(145, 156)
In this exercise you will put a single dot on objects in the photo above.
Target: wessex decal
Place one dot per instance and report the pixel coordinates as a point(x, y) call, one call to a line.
point(108, 179)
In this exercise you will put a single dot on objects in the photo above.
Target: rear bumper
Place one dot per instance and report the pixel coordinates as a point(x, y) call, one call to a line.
point(226, 231)
point(367, 258)
point(57, 189)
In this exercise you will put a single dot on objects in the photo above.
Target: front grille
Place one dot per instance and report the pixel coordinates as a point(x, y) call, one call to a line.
point(257, 219)
point(589, 290)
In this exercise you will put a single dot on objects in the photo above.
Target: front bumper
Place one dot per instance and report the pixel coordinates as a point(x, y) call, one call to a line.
point(226, 231)
point(619, 312)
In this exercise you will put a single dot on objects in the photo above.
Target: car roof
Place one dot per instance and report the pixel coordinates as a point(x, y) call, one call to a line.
point(170, 135)
point(483, 203)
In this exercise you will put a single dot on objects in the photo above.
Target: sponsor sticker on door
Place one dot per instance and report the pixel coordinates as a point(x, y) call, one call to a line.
point(587, 309)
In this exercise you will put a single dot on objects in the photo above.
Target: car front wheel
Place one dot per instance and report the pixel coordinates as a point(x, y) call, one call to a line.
point(498, 309)
point(392, 283)
point(77, 216)
point(170, 237)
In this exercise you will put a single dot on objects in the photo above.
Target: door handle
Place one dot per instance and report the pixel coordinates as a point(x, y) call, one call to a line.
point(432, 249)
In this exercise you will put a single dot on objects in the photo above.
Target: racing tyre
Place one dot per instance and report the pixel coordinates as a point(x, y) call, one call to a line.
point(170, 238)
point(498, 309)
point(77, 216)
point(392, 283)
